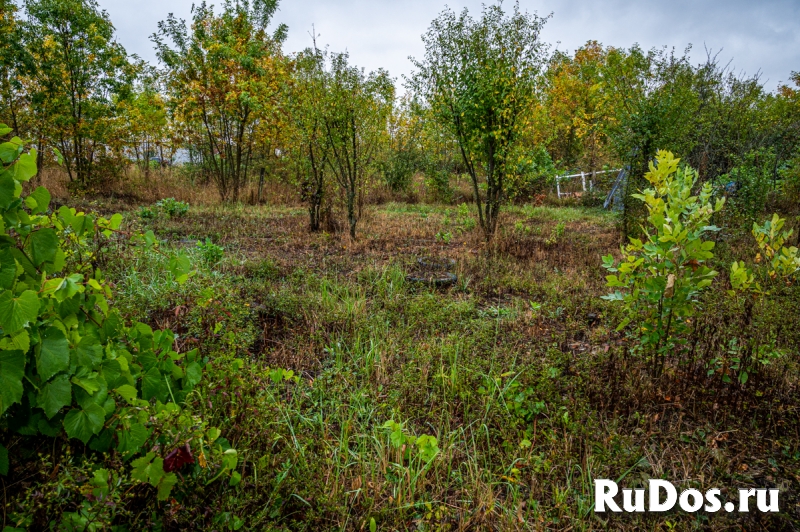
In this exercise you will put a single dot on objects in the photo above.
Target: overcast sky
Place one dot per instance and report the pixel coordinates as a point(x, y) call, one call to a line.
point(757, 35)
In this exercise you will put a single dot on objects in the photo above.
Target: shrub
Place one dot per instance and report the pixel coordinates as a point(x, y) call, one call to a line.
point(661, 276)
point(172, 207)
point(775, 265)
point(146, 213)
point(535, 172)
point(69, 366)
point(748, 185)
point(210, 252)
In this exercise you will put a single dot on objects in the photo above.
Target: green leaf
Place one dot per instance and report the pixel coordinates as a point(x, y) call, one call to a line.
point(53, 355)
point(3, 460)
point(84, 423)
point(8, 269)
point(165, 486)
point(12, 370)
point(17, 312)
point(89, 352)
point(132, 440)
point(8, 190)
point(25, 167)
point(69, 287)
point(44, 244)
point(39, 200)
point(144, 470)
point(23, 260)
point(55, 395)
point(180, 266)
point(51, 427)
point(115, 221)
point(20, 340)
point(100, 483)
point(150, 469)
point(193, 373)
point(9, 151)
point(89, 384)
point(128, 393)
point(102, 442)
point(152, 384)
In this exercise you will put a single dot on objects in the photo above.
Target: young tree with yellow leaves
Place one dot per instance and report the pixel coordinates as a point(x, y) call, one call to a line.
point(578, 108)
point(81, 73)
point(225, 78)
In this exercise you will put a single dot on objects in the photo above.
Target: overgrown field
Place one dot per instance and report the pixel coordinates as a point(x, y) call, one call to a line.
point(357, 399)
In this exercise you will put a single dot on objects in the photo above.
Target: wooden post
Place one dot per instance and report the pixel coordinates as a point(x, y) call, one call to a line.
point(583, 181)
point(558, 186)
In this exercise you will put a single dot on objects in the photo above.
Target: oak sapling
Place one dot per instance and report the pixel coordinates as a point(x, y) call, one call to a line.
point(661, 276)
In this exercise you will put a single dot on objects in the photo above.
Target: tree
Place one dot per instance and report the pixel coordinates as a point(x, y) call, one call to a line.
point(578, 108)
point(356, 109)
point(653, 104)
point(225, 76)
point(480, 78)
point(80, 73)
point(729, 121)
point(402, 155)
point(14, 63)
point(145, 119)
point(783, 115)
point(309, 146)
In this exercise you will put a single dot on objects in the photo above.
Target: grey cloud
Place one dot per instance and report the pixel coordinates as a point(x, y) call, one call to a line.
point(758, 36)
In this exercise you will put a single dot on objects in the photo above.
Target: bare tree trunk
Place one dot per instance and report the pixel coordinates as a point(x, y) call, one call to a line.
point(260, 183)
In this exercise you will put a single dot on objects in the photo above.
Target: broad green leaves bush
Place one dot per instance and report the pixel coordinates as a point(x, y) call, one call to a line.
point(69, 364)
point(210, 252)
point(660, 277)
point(775, 265)
point(172, 207)
point(774, 261)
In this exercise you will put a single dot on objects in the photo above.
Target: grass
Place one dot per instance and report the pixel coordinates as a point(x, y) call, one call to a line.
point(516, 371)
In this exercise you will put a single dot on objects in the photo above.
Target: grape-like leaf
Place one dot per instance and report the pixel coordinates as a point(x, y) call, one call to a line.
point(152, 384)
point(55, 395)
point(17, 312)
point(12, 370)
point(25, 167)
point(8, 189)
point(8, 269)
point(84, 423)
point(44, 244)
point(89, 352)
point(131, 440)
point(193, 373)
point(38, 201)
point(127, 392)
point(165, 486)
point(54, 353)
